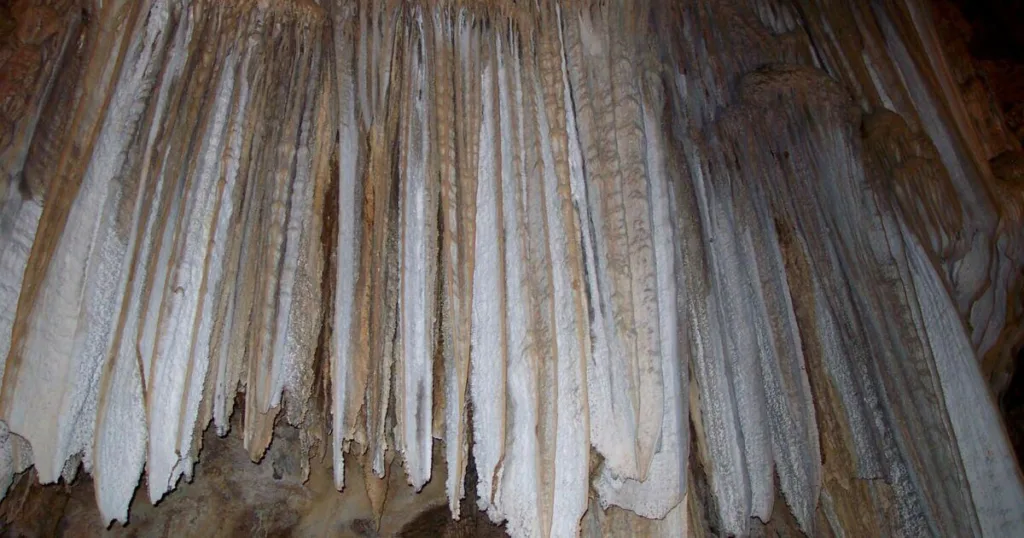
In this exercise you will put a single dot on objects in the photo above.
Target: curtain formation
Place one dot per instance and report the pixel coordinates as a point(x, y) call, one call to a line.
point(694, 260)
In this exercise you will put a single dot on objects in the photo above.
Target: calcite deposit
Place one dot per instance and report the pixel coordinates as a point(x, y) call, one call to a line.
point(699, 267)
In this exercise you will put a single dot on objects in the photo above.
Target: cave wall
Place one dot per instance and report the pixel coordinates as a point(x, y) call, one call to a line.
point(654, 267)
point(232, 496)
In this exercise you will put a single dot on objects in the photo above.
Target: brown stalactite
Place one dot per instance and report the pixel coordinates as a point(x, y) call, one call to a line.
point(732, 267)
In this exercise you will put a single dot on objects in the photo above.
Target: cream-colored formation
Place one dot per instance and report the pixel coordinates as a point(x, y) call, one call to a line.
point(702, 261)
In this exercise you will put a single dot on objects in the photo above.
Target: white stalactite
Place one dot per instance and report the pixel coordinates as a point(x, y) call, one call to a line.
point(419, 259)
point(348, 243)
point(578, 246)
point(494, 325)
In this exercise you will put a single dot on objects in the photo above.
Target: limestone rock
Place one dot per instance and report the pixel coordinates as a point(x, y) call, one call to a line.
point(572, 267)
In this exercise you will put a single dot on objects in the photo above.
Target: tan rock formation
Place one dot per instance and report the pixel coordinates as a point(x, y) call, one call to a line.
point(658, 268)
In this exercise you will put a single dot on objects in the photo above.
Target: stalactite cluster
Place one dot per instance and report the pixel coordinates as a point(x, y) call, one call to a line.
point(658, 268)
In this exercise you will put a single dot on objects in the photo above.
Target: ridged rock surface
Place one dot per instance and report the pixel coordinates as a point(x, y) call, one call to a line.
point(657, 268)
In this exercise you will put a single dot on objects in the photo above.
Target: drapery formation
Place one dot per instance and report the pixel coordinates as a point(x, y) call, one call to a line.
point(694, 260)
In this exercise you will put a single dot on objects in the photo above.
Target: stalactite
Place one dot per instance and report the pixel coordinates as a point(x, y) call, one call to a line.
point(655, 269)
